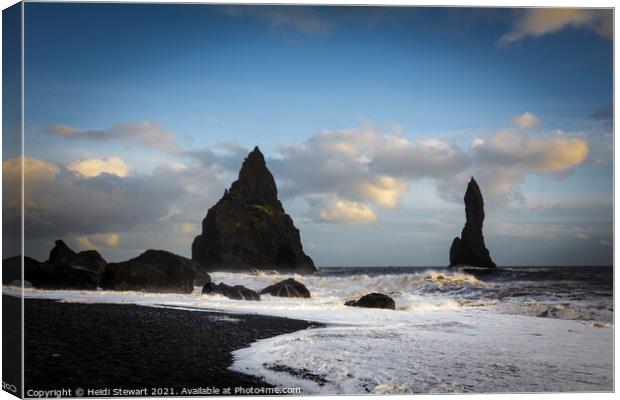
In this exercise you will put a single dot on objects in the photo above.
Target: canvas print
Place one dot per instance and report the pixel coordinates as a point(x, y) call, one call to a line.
point(228, 199)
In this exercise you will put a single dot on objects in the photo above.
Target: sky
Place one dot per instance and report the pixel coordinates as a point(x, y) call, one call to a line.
point(371, 119)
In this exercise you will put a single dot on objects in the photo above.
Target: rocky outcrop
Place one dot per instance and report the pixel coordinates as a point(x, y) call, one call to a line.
point(65, 269)
point(287, 288)
point(61, 254)
point(248, 229)
point(12, 268)
point(156, 271)
point(373, 300)
point(237, 292)
point(50, 276)
point(44, 275)
point(469, 249)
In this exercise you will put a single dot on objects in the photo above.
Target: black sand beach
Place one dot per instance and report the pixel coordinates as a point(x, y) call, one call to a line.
point(96, 346)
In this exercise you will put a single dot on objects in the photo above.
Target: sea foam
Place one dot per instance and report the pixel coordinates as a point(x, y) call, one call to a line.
point(451, 332)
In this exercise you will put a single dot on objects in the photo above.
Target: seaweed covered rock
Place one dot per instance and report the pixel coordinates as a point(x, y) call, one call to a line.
point(247, 229)
point(287, 288)
point(156, 271)
point(373, 300)
point(237, 292)
point(469, 249)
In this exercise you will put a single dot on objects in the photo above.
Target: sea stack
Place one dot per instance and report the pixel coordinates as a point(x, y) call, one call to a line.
point(247, 229)
point(469, 249)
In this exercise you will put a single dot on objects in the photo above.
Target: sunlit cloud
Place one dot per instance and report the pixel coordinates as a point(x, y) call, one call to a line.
point(525, 120)
point(97, 166)
point(187, 228)
point(384, 191)
point(371, 167)
point(536, 22)
point(59, 201)
point(36, 173)
point(532, 153)
point(96, 241)
point(336, 210)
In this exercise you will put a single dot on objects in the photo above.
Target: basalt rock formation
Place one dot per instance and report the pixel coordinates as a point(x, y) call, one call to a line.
point(287, 288)
point(247, 229)
point(61, 254)
point(237, 292)
point(65, 269)
point(156, 271)
point(373, 300)
point(12, 269)
point(469, 249)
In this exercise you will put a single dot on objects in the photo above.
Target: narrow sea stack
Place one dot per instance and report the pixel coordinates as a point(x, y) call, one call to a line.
point(469, 249)
point(247, 229)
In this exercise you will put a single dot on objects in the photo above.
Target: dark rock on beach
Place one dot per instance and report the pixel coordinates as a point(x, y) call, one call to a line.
point(70, 345)
point(237, 292)
point(65, 269)
point(152, 271)
point(373, 300)
point(61, 254)
point(12, 268)
point(247, 229)
point(59, 276)
point(469, 249)
point(287, 288)
point(45, 275)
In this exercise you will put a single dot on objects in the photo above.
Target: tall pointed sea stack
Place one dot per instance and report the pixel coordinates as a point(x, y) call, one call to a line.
point(248, 228)
point(469, 249)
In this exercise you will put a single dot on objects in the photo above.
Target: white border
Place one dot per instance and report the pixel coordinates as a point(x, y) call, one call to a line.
point(457, 3)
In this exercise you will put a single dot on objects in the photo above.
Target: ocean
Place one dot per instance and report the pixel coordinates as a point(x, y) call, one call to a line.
point(519, 329)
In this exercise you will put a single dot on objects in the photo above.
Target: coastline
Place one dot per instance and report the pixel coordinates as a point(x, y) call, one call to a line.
point(440, 339)
point(140, 350)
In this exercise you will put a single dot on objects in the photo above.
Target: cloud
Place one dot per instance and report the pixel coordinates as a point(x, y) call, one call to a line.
point(60, 203)
point(335, 165)
point(530, 153)
point(35, 173)
point(344, 176)
point(62, 130)
point(187, 228)
point(97, 241)
point(383, 190)
point(35, 170)
point(525, 120)
point(536, 22)
point(336, 210)
point(143, 133)
point(307, 20)
point(366, 167)
point(96, 166)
